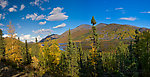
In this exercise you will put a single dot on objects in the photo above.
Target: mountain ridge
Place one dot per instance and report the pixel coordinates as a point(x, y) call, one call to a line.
point(105, 31)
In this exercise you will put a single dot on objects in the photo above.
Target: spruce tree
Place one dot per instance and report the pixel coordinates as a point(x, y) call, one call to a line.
point(81, 54)
point(72, 57)
point(69, 53)
point(97, 67)
point(70, 43)
point(18, 38)
point(94, 35)
point(2, 47)
point(28, 55)
point(74, 61)
point(93, 21)
point(36, 40)
point(141, 52)
point(1, 41)
point(130, 51)
point(63, 62)
point(81, 59)
point(137, 50)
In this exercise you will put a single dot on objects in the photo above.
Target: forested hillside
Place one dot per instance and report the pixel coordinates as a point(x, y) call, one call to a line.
point(130, 58)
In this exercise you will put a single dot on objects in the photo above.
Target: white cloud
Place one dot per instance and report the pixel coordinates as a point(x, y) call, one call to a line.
point(14, 6)
point(1, 29)
point(108, 18)
point(145, 12)
point(42, 23)
point(27, 37)
point(1, 24)
point(2, 16)
point(40, 17)
point(46, 0)
point(119, 8)
point(32, 16)
point(39, 38)
point(42, 31)
point(22, 7)
point(60, 26)
point(57, 15)
point(22, 18)
point(49, 8)
point(15, 34)
point(42, 8)
point(3, 3)
point(35, 16)
point(130, 18)
point(19, 26)
point(56, 10)
point(38, 2)
point(13, 9)
point(5, 35)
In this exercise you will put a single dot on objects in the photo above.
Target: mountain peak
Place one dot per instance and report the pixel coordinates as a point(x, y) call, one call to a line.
point(84, 26)
point(52, 36)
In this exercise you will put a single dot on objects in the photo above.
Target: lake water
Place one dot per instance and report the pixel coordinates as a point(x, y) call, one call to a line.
point(62, 47)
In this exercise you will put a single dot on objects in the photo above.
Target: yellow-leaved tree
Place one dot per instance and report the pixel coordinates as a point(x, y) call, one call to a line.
point(13, 48)
point(49, 56)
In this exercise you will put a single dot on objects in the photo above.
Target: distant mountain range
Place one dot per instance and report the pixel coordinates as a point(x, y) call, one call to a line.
point(53, 36)
point(105, 31)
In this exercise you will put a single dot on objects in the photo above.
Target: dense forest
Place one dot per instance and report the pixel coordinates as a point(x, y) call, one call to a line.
point(130, 58)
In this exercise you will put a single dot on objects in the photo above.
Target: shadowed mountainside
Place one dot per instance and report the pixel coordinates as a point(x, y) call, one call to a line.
point(53, 36)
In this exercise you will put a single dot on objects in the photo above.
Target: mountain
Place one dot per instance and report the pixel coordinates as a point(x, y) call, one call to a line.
point(105, 31)
point(75, 33)
point(53, 36)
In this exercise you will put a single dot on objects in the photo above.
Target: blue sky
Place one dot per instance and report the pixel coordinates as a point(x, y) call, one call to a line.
point(38, 18)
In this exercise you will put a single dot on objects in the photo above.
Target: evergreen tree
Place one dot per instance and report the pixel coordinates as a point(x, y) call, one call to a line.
point(81, 54)
point(28, 55)
point(69, 53)
point(131, 51)
point(131, 60)
point(36, 40)
point(93, 22)
point(74, 61)
point(1, 41)
point(141, 52)
point(18, 38)
point(63, 62)
point(2, 47)
point(94, 35)
point(137, 52)
point(72, 57)
point(99, 66)
point(95, 57)
point(122, 52)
